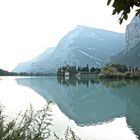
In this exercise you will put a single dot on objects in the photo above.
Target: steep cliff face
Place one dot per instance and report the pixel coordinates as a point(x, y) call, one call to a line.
point(130, 56)
point(132, 33)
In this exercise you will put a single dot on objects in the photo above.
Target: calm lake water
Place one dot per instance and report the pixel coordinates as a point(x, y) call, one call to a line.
point(95, 110)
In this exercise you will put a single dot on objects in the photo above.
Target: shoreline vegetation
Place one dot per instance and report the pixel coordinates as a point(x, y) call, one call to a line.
point(32, 125)
point(110, 71)
point(7, 73)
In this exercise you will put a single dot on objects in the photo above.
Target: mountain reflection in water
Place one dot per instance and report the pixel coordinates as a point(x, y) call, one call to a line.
point(90, 101)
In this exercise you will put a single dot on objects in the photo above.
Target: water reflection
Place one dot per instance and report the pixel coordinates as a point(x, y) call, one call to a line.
point(90, 101)
point(76, 81)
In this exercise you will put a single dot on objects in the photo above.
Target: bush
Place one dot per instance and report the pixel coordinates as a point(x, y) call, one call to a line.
point(31, 125)
point(69, 135)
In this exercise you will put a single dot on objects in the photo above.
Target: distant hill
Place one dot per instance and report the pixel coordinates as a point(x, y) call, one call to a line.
point(6, 73)
point(32, 65)
point(81, 46)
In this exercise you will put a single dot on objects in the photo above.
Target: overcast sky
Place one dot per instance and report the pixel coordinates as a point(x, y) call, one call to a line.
point(28, 27)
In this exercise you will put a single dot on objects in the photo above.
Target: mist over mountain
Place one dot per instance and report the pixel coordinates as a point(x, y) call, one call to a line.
point(131, 54)
point(81, 46)
point(32, 65)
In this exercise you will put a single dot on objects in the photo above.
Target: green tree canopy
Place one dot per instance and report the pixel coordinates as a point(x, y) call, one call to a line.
point(124, 7)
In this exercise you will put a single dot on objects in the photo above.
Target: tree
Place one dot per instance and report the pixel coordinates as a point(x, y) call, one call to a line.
point(87, 68)
point(72, 70)
point(92, 69)
point(115, 68)
point(79, 69)
point(124, 7)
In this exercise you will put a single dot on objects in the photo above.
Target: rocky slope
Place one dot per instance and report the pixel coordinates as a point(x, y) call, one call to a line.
point(81, 46)
point(132, 33)
point(129, 57)
point(131, 54)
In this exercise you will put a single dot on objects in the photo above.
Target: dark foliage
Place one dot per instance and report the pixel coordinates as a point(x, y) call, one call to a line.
point(124, 7)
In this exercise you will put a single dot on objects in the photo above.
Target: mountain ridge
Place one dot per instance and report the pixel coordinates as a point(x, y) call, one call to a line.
point(81, 46)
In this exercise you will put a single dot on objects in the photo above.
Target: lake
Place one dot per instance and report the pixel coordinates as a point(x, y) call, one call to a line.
point(94, 109)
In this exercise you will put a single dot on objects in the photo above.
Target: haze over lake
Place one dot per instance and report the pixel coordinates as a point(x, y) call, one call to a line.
point(76, 56)
point(94, 109)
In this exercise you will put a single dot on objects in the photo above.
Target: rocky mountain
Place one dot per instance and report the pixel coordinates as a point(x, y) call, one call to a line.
point(81, 46)
point(131, 54)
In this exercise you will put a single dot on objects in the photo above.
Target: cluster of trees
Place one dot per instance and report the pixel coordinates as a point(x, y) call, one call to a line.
point(118, 68)
point(120, 71)
point(109, 71)
point(73, 70)
point(67, 70)
point(7, 73)
point(89, 70)
point(32, 74)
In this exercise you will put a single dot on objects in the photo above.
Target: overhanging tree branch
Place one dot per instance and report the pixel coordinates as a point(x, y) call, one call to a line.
point(124, 7)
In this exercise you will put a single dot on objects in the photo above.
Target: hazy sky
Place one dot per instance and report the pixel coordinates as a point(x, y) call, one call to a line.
point(28, 27)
